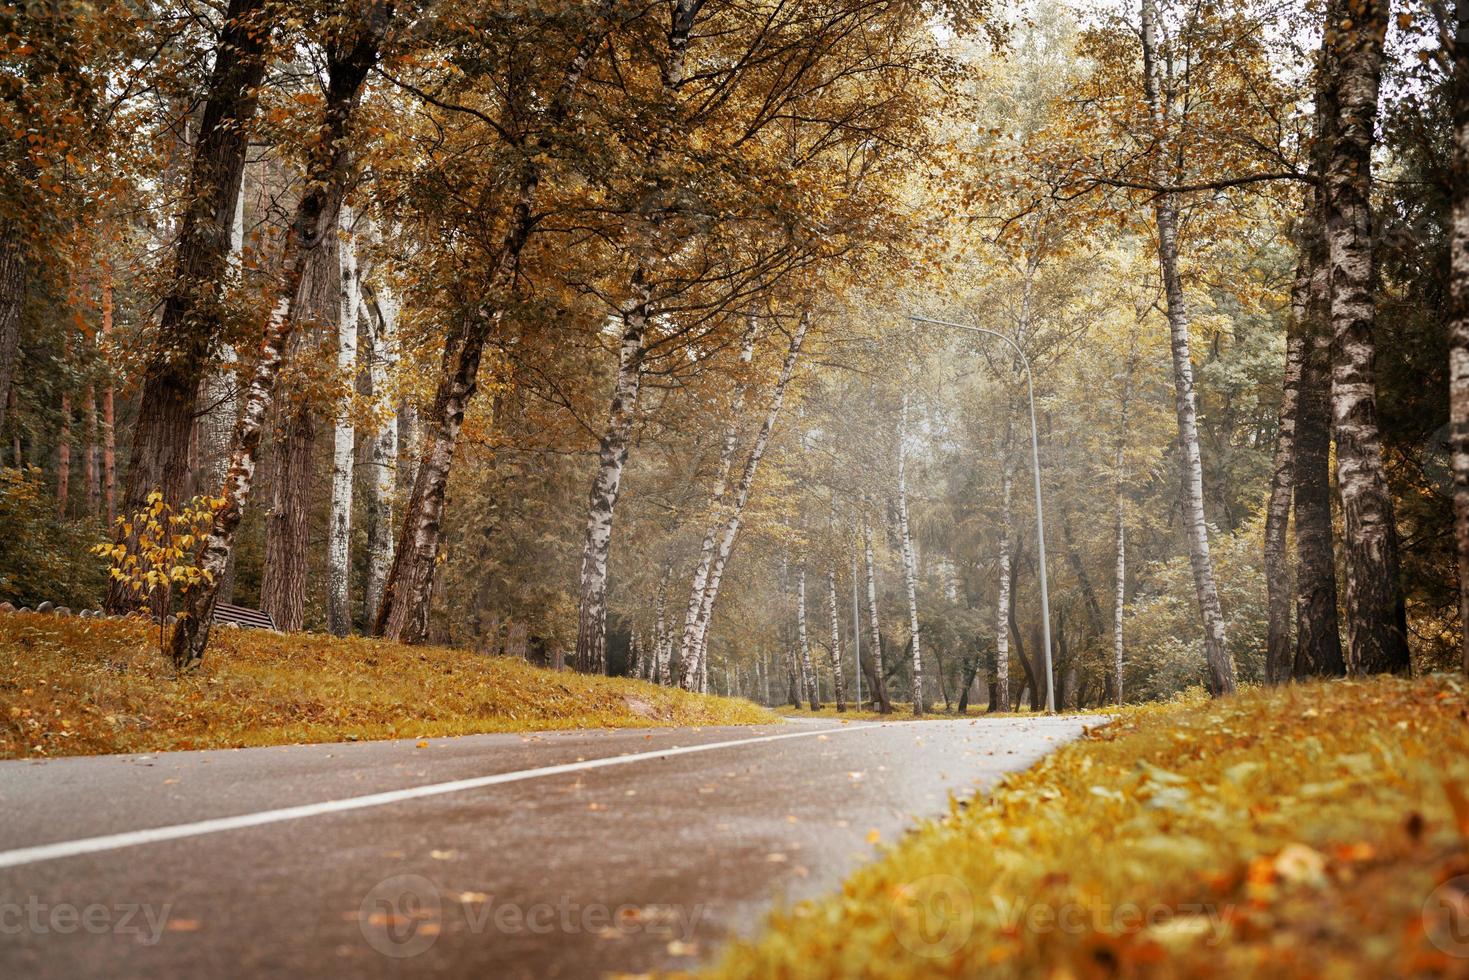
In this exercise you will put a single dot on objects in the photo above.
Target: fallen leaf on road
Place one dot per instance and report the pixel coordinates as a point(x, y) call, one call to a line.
point(775, 857)
point(677, 948)
point(182, 925)
point(443, 855)
point(874, 835)
point(422, 745)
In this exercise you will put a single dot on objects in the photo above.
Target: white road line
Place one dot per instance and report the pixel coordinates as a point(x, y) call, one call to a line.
point(134, 838)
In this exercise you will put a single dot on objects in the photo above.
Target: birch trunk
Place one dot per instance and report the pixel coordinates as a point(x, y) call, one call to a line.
point(1318, 633)
point(1282, 481)
point(747, 482)
point(403, 612)
point(808, 673)
point(344, 443)
point(689, 646)
point(1006, 582)
point(910, 572)
point(383, 459)
point(311, 227)
point(664, 641)
point(1218, 659)
point(1459, 313)
point(218, 404)
point(875, 675)
point(1375, 612)
point(1119, 607)
point(591, 632)
point(838, 679)
point(190, 322)
point(63, 450)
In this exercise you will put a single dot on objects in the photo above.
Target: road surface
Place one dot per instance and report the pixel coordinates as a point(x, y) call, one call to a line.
point(572, 854)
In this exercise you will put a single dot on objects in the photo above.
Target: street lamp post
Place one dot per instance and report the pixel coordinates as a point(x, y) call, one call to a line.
point(1035, 464)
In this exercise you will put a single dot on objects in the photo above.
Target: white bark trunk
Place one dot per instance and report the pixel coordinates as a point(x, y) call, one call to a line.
point(344, 443)
point(910, 570)
point(664, 641)
point(1002, 604)
point(808, 673)
point(1217, 656)
point(747, 481)
point(1459, 313)
point(689, 646)
point(591, 633)
point(836, 640)
point(383, 458)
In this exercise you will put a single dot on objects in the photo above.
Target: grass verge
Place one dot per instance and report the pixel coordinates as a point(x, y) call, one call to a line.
point(1311, 830)
point(71, 686)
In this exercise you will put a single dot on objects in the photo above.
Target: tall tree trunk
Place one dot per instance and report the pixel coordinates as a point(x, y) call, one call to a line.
point(1119, 605)
point(1318, 634)
point(664, 641)
point(109, 412)
point(1459, 313)
point(637, 311)
point(1218, 659)
point(349, 59)
point(910, 570)
point(1282, 482)
point(13, 283)
point(92, 457)
point(591, 634)
point(1005, 592)
point(403, 613)
point(873, 664)
point(736, 510)
point(383, 454)
point(63, 450)
point(344, 443)
point(1376, 617)
point(808, 672)
point(838, 679)
point(688, 647)
point(191, 320)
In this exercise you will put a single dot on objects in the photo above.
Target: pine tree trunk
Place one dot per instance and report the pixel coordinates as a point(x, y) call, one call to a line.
point(838, 678)
point(92, 459)
point(910, 569)
point(312, 226)
point(383, 479)
point(63, 455)
point(344, 444)
point(875, 674)
point(1282, 481)
point(1459, 313)
point(109, 413)
point(13, 282)
point(191, 320)
point(808, 673)
point(736, 510)
point(1119, 607)
point(1376, 617)
point(1218, 659)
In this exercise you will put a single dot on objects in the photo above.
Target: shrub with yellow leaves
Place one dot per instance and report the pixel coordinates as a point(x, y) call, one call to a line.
point(158, 550)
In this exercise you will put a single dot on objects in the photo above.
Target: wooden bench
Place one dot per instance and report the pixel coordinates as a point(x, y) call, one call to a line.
point(227, 614)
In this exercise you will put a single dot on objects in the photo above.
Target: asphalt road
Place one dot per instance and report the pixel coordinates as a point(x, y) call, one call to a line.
point(551, 855)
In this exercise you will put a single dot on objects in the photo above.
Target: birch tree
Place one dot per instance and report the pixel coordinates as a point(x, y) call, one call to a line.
point(910, 565)
point(381, 305)
point(808, 673)
point(351, 50)
point(1376, 617)
point(344, 439)
point(1456, 45)
point(190, 324)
